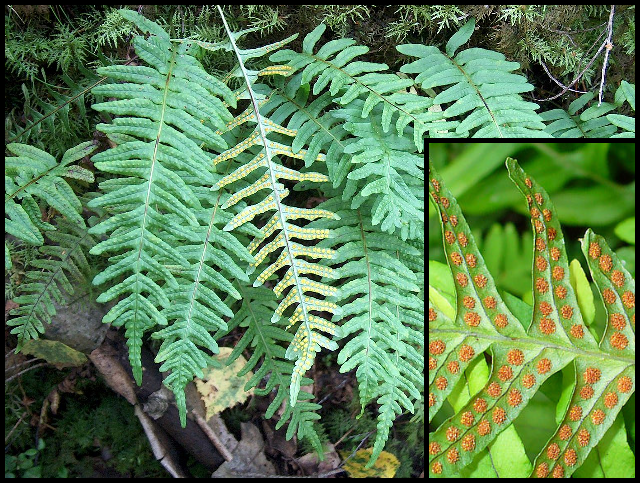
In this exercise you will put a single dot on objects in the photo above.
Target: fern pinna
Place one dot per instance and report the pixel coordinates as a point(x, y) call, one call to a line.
point(523, 355)
point(483, 87)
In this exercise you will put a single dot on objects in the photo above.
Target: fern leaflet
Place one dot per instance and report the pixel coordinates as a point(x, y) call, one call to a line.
point(482, 85)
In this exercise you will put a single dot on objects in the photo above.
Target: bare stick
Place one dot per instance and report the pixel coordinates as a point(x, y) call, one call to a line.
point(608, 46)
point(213, 437)
point(544, 66)
point(577, 77)
point(574, 81)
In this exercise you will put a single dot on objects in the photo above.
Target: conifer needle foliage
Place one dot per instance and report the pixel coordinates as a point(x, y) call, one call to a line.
point(204, 231)
point(525, 352)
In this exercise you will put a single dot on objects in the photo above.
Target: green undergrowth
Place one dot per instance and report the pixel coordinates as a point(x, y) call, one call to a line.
point(478, 92)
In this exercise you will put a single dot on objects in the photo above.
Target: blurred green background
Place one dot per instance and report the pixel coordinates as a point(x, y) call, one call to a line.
point(592, 185)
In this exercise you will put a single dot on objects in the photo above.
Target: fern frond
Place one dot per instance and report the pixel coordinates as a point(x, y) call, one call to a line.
point(112, 29)
point(50, 279)
point(386, 169)
point(170, 109)
point(525, 355)
point(196, 309)
point(34, 174)
point(307, 340)
point(379, 296)
point(314, 129)
point(481, 82)
point(595, 121)
point(379, 165)
point(334, 63)
point(265, 341)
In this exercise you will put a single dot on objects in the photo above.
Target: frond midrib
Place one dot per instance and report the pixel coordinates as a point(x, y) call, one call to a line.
point(593, 355)
point(274, 189)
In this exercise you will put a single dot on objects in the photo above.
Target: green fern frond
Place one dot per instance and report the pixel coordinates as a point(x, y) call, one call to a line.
point(595, 121)
point(384, 313)
point(390, 173)
point(314, 129)
point(385, 168)
point(265, 340)
point(34, 174)
point(50, 279)
point(525, 353)
point(112, 29)
point(333, 65)
point(481, 83)
point(196, 309)
point(170, 110)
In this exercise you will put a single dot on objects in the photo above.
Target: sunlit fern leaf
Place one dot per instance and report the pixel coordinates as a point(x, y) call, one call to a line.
point(333, 65)
point(169, 110)
point(50, 279)
point(525, 355)
point(383, 312)
point(307, 339)
point(480, 84)
point(34, 174)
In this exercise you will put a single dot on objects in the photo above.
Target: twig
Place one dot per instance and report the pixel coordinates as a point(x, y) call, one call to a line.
point(26, 370)
point(578, 76)
point(608, 46)
point(569, 33)
point(15, 426)
point(544, 66)
point(222, 449)
point(20, 364)
point(332, 392)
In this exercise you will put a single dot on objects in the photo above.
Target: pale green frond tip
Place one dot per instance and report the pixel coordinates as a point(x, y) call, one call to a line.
point(460, 37)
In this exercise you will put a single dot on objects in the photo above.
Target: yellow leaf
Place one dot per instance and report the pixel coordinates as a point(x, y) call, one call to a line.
point(385, 466)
